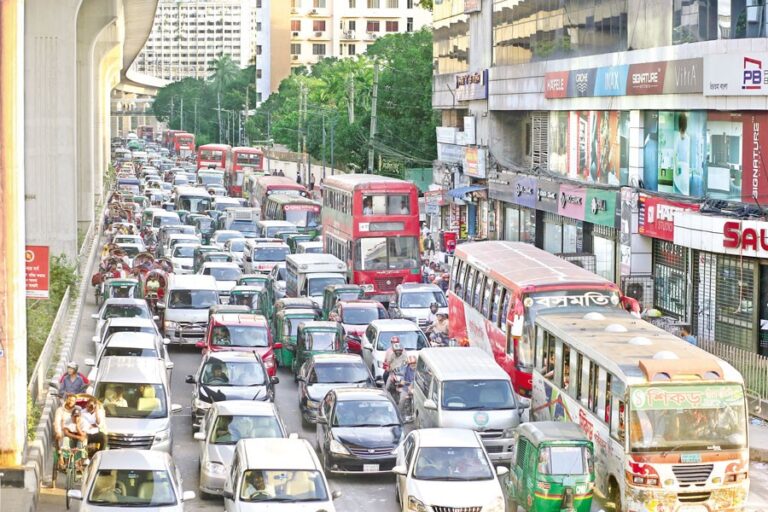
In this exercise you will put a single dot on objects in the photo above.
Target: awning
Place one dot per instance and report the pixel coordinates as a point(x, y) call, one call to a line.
point(462, 191)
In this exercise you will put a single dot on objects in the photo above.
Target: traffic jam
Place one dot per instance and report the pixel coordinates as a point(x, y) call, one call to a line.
point(335, 338)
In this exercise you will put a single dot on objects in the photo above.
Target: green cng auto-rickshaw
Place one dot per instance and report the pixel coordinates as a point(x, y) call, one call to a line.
point(246, 296)
point(336, 292)
point(294, 238)
point(284, 333)
point(315, 338)
point(552, 468)
point(258, 281)
point(120, 288)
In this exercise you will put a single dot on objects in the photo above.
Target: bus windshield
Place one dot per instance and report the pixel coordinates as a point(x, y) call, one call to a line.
point(687, 417)
point(384, 253)
point(206, 155)
point(197, 204)
point(308, 217)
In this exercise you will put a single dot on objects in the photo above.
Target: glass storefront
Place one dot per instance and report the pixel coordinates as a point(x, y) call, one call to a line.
point(604, 249)
point(519, 224)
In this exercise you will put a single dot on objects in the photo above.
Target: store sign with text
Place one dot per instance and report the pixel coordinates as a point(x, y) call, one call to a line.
point(572, 201)
point(472, 86)
point(663, 77)
point(741, 74)
point(600, 207)
point(472, 6)
point(38, 271)
point(656, 216)
point(748, 238)
point(475, 162)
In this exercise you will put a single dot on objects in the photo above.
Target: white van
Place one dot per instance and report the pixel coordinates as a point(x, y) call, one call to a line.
point(463, 387)
point(277, 474)
point(185, 307)
point(136, 396)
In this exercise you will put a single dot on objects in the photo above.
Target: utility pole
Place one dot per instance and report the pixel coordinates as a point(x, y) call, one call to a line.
point(374, 101)
point(304, 133)
point(333, 167)
point(195, 116)
point(218, 113)
point(170, 121)
point(298, 132)
point(269, 125)
point(351, 99)
point(323, 146)
point(246, 107)
point(181, 125)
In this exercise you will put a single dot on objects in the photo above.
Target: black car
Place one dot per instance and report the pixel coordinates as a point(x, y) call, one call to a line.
point(358, 431)
point(229, 375)
point(324, 372)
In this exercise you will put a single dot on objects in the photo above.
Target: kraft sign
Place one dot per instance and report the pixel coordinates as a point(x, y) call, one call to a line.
point(744, 74)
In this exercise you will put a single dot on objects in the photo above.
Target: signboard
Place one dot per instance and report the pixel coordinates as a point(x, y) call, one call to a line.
point(38, 271)
point(421, 177)
point(600, 207)
point(472, 6)
point(450, 153)
point(472, 86)
point(470, 136)
point(656, 216)
point(571, 202)
point(475, 162)
point(547, 195)
point(446, 134)
point(663, 77)
point(681, 397)
point(740, 74)
point(436, 198)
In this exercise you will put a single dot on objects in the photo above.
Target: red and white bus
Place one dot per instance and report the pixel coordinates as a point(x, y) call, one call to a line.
point(183, 144)
point(168, 138)
point(243, 160)
point(267, 185)
point(372, 223)
point(497, 288)
point(146, 132)
point(214, 156)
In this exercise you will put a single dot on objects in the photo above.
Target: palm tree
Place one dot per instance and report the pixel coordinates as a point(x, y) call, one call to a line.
point(224, 71)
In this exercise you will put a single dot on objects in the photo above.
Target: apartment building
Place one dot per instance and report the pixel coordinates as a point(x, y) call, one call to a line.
point(343, 28)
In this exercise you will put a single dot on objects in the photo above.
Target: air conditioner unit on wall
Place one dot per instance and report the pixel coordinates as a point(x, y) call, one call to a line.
point(294, 57)
point(295, 34)
point(639, 288)
point(318, 34)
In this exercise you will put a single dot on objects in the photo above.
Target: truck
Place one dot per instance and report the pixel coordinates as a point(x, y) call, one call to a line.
point(242, 219)
point(307, 275)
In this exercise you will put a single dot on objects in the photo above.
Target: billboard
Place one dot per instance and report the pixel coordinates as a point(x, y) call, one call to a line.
point(730, 74)
point(38, 271)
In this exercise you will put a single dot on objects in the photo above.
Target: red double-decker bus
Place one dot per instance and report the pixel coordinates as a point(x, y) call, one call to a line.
point(267, 185)
point(216, 156)
point(168, 138)
point(183, 144)
point(497, 288)
point(372, 223)
point(243, 160)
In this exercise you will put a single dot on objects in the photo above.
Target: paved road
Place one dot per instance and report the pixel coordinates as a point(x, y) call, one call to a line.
point(358, 493)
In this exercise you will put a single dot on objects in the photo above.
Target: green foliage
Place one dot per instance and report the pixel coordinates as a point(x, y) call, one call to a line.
point(42, 313)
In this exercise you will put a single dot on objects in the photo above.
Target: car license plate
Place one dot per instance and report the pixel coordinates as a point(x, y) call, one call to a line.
point(690, 458)
point(370, 468)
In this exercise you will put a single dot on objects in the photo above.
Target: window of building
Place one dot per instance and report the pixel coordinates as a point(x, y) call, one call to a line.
point(392, 26)
point(258, 49)
point(320, 4)
point(295, 25)
point(318, 25)
point(318, 49)
point(352, 4)
point(295, 49)
point(351, 25)
point(374, 4)
point(258, 26)
point(258, 73)
point(372, 26)
point(670, 288)
point(409, 25)
point(351, 49)
point(393, 4)
point(409, 4)
point(258, 97)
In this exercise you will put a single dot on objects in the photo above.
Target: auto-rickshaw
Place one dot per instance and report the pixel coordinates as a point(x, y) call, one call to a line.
point(283, 235)
point(258, 281)
point(155, 287)
point(286, 326)
point(142, 201)
point(197, 255)
point(191, 217)
point(120, 287)
point(294, 238)
point(555, 456)
point(248, 296)
point(333, 293)
point(314, 338)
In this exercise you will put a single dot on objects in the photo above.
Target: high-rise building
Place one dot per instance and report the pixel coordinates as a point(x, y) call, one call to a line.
point(342, 28)
point(188, 35)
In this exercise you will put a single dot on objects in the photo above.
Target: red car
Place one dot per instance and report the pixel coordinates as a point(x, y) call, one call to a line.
point(354, 317)
point(241, 332)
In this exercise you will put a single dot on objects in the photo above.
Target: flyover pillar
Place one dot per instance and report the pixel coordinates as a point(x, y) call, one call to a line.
point(50, 112)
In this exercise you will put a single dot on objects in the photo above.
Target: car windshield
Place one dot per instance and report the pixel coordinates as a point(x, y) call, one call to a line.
point(302, 217)
point(446, 463)
point(281, 273)
point(183, 252)
point(129, 351)
point(132, 488)
point(243, 226)
point(477, 395)
point(359, 315)
point(165, 220)
point(223, 373)
point(339, 373)
point(273, 230)
point(321, 340)
point(236, 245)
point(128, 400)
point(270, 254)
point(694, 417)
point(359, 413)
point(220, 238)
point(128, 328)
point(422, 299)
point(204, 223)
point(565, 460)
point(223, 273)
point(240, 336)
point(231, 429)
point(124, 311)
point(409, 340)
point(284, 486)
point(193, 299)
point(317, 284)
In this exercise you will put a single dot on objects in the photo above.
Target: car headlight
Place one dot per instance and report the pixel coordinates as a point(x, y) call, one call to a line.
point(338, 448)
point(163, 436)
point(416, 504)
point(497, 505)
point(217, 468)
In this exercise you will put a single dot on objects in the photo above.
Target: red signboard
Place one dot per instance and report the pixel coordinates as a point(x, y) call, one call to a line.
point(556, 84)
point(754, 184)
point(657, 216)
point(38, 271)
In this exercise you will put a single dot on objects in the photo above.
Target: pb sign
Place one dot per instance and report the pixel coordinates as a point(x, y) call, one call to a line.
point(38, 271)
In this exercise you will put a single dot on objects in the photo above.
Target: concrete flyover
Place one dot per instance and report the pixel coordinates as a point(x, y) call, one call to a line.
point(76, 53)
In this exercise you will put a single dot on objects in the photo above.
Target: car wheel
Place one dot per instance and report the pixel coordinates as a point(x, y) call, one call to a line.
point(207, 496)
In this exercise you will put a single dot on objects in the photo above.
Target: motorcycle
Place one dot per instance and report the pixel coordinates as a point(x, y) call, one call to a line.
point(401, 392)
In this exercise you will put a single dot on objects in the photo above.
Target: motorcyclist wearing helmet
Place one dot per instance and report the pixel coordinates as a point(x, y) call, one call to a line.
point(394, 357)
point(432, 316)
point(72, 382)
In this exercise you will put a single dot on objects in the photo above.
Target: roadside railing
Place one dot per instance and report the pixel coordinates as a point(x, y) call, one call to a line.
point(38, 381)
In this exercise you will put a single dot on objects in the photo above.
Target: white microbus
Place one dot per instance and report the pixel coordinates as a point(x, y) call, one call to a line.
point(667, 419)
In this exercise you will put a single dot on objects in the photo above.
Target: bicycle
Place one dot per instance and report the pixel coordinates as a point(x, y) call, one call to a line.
point(74, 471)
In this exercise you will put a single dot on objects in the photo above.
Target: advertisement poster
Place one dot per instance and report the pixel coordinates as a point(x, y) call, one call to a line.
point(725, 133)
point(730, 74)
point(547, 195)
point(755, 173)
point(681, 141)
point(38, 271)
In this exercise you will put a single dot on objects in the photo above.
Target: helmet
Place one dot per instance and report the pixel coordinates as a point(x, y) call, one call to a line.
point(434, 305)
point(72, 365)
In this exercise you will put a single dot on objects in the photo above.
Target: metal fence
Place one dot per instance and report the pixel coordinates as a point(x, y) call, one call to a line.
point(38, 381)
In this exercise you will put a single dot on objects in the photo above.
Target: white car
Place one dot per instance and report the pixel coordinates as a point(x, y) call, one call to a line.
point(131, 250)
point(133, 344)
point(226, 275)
point(178, 238)
point(143, 480)
point(378, 338)
point(122, 308)
point(278, 274)
point(222, 235)
point(114, 325)
point(412, 301)
point(182, 257)
point(222, 427)
point(447, 469)
point(129, 239)
point(235, 246)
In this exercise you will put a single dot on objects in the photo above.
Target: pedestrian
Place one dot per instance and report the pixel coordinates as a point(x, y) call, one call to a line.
point(298, 178)
point(311, 184)
point(685, 333)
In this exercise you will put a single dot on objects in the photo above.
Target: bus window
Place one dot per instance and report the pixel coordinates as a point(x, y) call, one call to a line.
point(477, 287)
point(455, 272)
point(547, 355)
point(504, 308)
point(576, 361)
point(591, 393)
point(599, 400)
point(470, 276)
point(487, 295)
point(608, 395)
point(496, 304)
point(564, 366)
